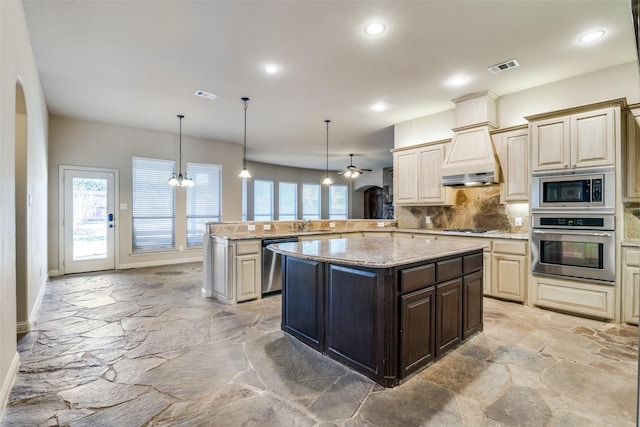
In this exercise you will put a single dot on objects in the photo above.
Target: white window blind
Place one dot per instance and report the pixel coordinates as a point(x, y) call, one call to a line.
point(262, 200)
point(153, 207)
point(204, 200)
point(311, 201)
point(338, 206)
point(287, 201)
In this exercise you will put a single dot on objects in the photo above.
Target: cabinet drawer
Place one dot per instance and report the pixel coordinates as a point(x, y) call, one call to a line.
point(513, 248)
point(632, 258)
point(247, 248)
point(471, 263)
point(581, 298)
point(417, 277)
point(449, 269)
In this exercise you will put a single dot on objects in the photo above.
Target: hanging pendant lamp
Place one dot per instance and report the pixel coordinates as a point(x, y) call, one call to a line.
point(181, 180)
point(244, 174)
point(327, 180)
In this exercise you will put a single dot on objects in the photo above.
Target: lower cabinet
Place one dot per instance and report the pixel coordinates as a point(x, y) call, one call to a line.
point(448, 315)
point(417, 318)
point(236, 270)
point(509, 273)
point(631, 285)
point(472, 293)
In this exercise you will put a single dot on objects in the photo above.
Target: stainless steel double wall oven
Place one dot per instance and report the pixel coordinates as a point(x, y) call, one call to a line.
point(573, 224)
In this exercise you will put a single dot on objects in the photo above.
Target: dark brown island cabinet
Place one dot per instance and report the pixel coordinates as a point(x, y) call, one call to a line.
point(385, 323)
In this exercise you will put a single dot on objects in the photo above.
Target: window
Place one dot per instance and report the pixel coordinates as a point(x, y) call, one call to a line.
point(288, 201)
point(311, 201)
point(338, 206)
point(203, 200)
point(153, 208)
point(262, 200)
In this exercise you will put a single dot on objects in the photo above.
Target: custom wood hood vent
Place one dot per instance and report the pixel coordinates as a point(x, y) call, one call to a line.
point(472, 158)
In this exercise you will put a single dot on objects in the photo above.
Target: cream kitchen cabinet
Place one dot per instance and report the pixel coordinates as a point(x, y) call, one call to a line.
point(417, 175)
point(631, 157)
point(236, 269)
point(509, 273)
point(512, 147)
point(631, 285)
point(581, 140)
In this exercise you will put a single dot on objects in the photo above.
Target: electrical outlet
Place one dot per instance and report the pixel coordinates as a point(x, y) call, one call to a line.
point(427, 219)
point(267, 227)
point(518, 221)
point(251, 227)
point(381, 224)
point(332, 224)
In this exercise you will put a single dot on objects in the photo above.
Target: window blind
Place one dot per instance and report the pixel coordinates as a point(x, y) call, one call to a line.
point(338, 206)
point(262, 200)
point(287, 201)
point(153, 204)
point(311, 201)
point(204, 200)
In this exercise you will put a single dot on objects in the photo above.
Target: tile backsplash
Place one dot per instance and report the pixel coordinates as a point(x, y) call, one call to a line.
point(477, 208)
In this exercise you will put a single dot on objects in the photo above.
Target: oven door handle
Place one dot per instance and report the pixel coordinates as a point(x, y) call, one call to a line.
point(574, 233)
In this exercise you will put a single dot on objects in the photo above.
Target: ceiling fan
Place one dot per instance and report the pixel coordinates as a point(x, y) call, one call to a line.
point(351, 171)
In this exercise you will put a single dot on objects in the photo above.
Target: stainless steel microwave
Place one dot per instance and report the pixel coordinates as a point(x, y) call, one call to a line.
point(592, 189)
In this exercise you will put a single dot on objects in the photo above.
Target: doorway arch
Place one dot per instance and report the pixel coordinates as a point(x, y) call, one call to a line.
point(21, 212)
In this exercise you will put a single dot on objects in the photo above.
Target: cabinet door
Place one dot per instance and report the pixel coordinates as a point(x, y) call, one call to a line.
point(417, 341)
point(472, 304)
point(631, 286)
point(516, 180)
point(593, 138)
point(632, 157)
point(550, 144)
point(486, 277)
point(430, 176)
point(221, 267)
point(448, 315)
point(509, 276)
point(302, 300)
point(248, 277)
point(405, 177)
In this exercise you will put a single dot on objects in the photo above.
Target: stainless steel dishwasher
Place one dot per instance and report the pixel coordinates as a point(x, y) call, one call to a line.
point(272, 265)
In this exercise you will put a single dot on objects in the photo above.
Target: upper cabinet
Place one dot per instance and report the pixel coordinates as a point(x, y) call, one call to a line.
point(512, 147)
point(580, 140)
point(417, 176)
point(632, 155)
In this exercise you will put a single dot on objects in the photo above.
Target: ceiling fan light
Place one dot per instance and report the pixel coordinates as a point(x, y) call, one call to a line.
point(355, 174)
point(347, 173)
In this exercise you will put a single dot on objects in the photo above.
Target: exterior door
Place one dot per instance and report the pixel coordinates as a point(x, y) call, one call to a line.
point(88, 220)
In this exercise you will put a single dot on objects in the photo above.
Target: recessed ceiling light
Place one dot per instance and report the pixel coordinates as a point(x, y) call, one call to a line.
point(374, 28)
point(458, 80)
point(204, 94)
point(592, 36)
point(271, 68)
point(378, 106)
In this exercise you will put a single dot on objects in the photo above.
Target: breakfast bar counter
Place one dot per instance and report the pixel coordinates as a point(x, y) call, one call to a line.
point(385, 307)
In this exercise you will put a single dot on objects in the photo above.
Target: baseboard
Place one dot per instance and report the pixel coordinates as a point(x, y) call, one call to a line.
point(23, 327)
point(53, 273)
point(7, 383)
point(159, 263)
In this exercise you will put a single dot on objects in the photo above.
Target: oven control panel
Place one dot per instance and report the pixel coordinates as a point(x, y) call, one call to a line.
point(568, 222)
point(572, 222)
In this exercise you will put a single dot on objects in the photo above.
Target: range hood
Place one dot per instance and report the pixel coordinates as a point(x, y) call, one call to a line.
point(472, 160)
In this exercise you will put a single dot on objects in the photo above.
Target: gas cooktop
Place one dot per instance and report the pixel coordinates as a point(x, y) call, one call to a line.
point(465, 230)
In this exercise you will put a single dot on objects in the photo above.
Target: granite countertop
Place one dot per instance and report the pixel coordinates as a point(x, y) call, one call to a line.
point(374, 252)
point(631, 244)
point(262, 234)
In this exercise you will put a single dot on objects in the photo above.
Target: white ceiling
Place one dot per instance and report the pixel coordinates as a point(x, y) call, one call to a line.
point(138, 63)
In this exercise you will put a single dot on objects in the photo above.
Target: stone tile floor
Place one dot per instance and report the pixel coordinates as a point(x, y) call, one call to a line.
point(142, 347)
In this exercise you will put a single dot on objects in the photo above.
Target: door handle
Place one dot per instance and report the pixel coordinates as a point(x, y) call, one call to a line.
point(110, 217)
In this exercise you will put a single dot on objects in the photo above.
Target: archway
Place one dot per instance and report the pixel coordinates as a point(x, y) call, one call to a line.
point(21, 211)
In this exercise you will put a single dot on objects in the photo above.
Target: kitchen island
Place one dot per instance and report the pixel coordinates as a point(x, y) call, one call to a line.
point(385, 307)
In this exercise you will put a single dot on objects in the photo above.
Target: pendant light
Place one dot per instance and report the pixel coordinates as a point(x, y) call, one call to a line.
point(181, 180)
point(327, 180)
point(244, 174)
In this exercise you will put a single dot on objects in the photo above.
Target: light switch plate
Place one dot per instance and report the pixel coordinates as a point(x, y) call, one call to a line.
point(267, 227)
point(251, 227)
point(332, 224)
point(381, 224)
point(123, 206)
point(518, 221)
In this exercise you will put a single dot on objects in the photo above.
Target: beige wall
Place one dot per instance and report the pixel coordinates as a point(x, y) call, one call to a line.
point(610, 83)
point(17, 65)
point(100, 145)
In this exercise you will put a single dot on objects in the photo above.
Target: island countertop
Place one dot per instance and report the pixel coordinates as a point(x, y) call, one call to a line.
point(374, 252)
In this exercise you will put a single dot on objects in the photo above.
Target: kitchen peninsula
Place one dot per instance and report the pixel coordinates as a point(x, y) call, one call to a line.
point(385, 307)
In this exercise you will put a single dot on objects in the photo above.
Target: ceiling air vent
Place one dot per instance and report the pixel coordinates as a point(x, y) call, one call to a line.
point(204, 94)
point(504, 66)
